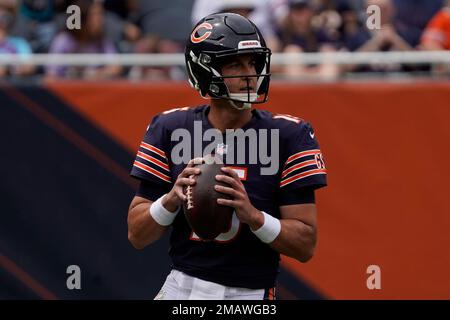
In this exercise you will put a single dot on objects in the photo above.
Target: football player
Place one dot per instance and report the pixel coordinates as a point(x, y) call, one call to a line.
point(228, 62)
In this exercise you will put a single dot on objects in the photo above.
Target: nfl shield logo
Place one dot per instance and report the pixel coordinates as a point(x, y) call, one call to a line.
point(221, 149)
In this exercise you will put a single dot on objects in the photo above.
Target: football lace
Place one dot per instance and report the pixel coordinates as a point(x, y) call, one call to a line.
point(190, 201)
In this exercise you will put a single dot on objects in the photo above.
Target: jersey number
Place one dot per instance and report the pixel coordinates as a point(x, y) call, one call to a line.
point(225, 237)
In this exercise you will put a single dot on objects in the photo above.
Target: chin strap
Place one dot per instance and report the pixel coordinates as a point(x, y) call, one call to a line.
point(245, 98)
point(245, 105)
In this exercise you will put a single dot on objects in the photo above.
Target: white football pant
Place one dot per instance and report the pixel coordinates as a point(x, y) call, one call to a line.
point(180, 286)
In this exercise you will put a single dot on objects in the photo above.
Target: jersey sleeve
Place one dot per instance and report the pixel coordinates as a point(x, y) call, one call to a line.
point(151, 164)
point(304, 166)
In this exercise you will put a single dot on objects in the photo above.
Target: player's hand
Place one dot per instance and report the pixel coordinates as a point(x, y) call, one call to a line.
point(176, 197)
point(244, 209)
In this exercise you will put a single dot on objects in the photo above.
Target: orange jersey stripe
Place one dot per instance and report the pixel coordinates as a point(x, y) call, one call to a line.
point(302, 175)
point(298, 166)
point(153, 160)
point(301, 154)
point(154, 149)
point(152, 171)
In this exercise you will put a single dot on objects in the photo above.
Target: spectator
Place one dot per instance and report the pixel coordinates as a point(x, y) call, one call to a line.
point(12, 45)
point(437, 37)
point(125, 9)
point(36, 22)
point(387, 38)
point(352, 31)
point(169, 20)
point(120, 22)
point(241, 7)
point(155, 44)
point(437, 34)
point(298, 35)
point(268, 15)
point(412, 16)
point(121, 18)
point(202, 8)
point(89, 39)
point(297, 29)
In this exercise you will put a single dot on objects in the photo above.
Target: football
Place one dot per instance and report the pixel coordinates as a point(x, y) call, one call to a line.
point(205, 216)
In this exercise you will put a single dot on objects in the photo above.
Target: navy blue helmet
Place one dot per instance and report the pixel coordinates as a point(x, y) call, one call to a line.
point(214, 40)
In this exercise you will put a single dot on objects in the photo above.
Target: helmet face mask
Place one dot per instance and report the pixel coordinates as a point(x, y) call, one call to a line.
point(218, 39)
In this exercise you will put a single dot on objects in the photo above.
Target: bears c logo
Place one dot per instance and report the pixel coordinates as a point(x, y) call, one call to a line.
point(204, 25)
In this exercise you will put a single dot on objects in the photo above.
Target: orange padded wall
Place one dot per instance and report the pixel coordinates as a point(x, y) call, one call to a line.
point(387, 149)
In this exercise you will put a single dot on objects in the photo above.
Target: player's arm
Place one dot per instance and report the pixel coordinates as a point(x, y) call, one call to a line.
point(298, 235)
point(295, 234)
point(143, 227)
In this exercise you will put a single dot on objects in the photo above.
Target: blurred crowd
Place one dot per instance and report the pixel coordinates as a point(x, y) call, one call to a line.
point(158, 26)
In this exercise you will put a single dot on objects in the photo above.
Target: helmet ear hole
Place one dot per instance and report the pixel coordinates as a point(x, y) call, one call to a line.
point(214, 89)
point(205, 59)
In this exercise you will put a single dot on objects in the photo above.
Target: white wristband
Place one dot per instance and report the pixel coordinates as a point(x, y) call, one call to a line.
point(161, 215)
point(269, 230)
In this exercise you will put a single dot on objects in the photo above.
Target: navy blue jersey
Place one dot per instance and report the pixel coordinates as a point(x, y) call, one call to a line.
point(236, 258)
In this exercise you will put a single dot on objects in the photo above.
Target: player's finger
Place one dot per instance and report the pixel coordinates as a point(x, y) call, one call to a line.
point(232, 173)
point(226, 202)
point(229, 180)
point(180, 194)
point(190, 171)
point(195, 161)
point(227, 190)
point(185, 182)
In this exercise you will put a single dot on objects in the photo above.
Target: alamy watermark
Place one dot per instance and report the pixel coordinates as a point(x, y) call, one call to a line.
point(373, 21)
point(374, 280)
point(74, 279)
point(74, 20)
point(240, 146)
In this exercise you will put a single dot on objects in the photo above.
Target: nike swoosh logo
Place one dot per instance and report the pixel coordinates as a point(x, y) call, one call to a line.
point(311, 134)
